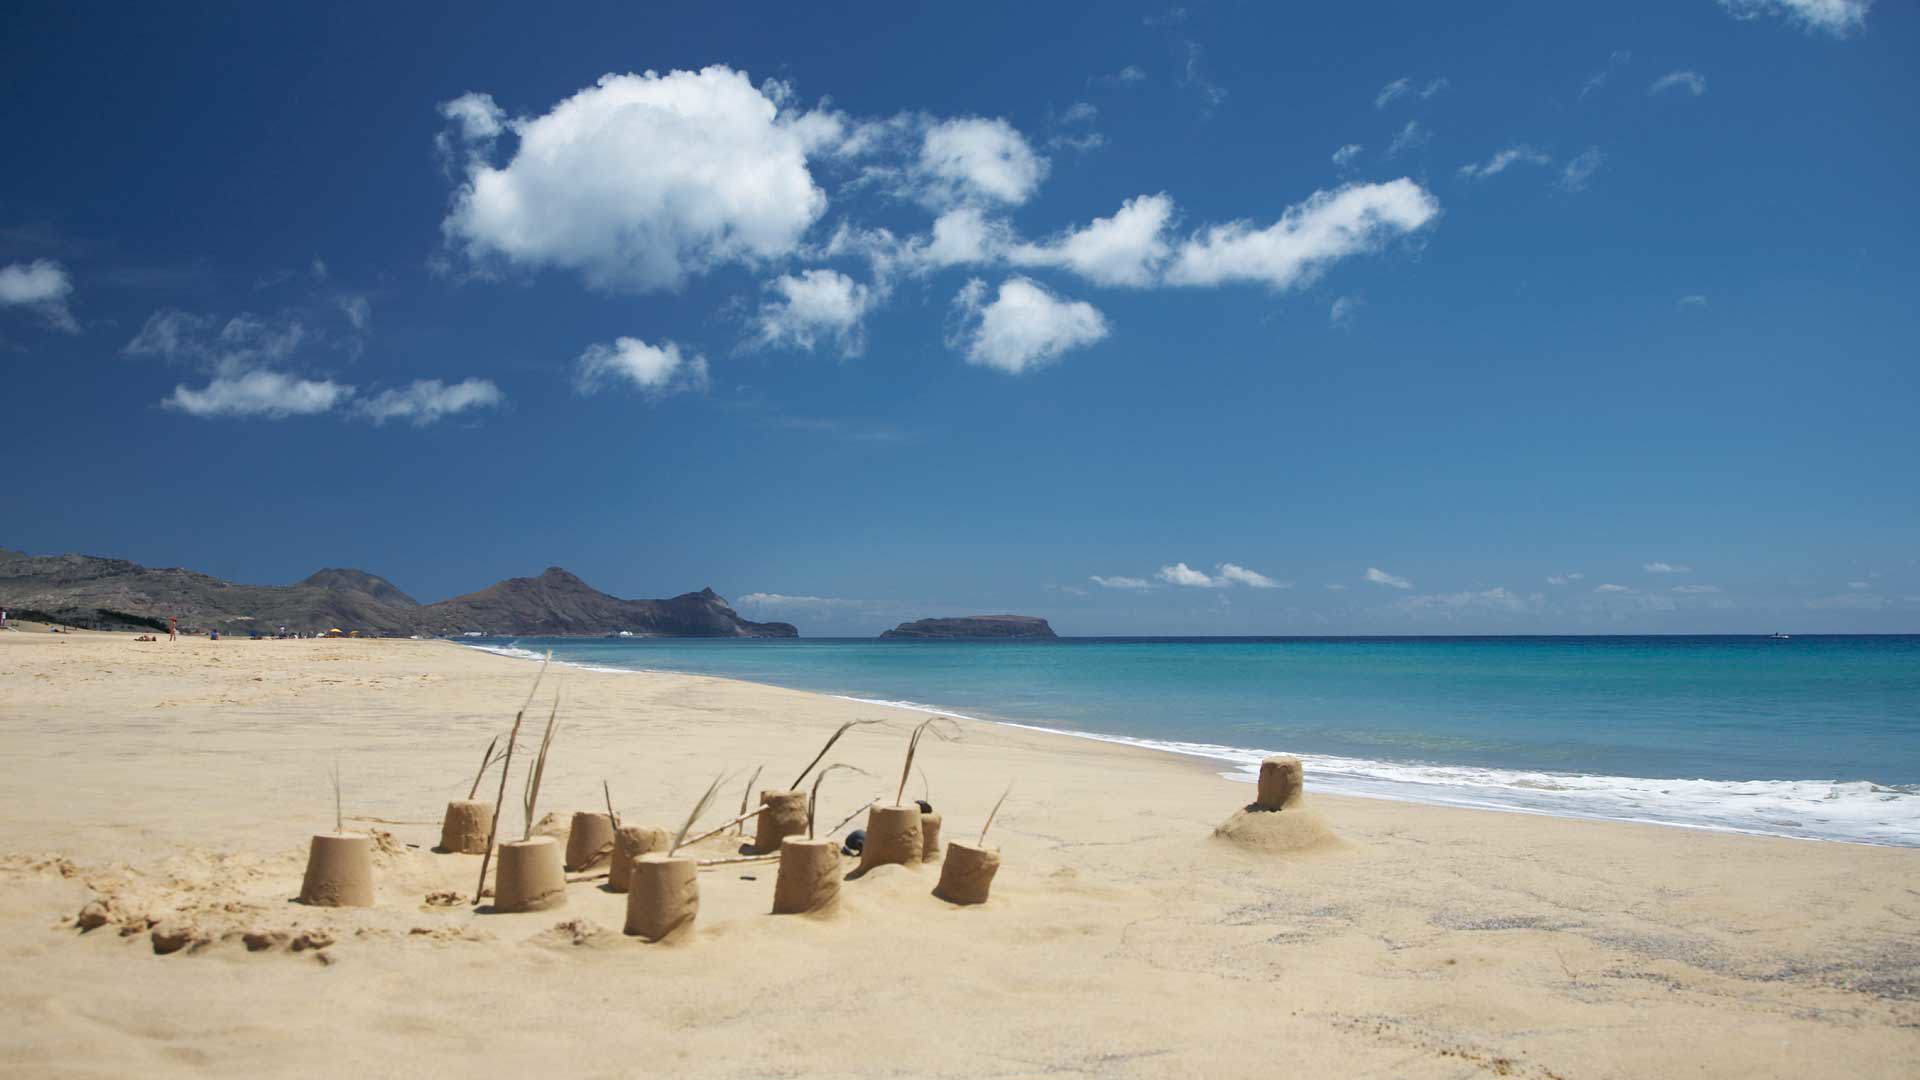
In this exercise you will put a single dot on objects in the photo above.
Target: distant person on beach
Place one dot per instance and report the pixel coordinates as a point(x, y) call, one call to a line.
point(173, 628)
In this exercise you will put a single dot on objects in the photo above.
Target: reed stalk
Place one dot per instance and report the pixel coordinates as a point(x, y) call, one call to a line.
point(339, 820)
point(745, 793)
point(813, 798)
point(486, 759)
point(611, 815)
point(539, 770)
point(795, 786)
point(699, 808)
point(506, 767)
point(913, 746)
point(993, 812)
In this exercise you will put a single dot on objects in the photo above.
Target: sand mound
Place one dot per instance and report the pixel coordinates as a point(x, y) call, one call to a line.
point(1277, 832)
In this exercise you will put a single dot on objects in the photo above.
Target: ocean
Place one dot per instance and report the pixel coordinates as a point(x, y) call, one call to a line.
point(1815, 737)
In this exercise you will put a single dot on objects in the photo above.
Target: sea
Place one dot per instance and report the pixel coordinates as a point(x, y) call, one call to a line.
point(1815, 737)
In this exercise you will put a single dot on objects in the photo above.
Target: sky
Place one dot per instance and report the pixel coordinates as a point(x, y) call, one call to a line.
point(1229, 318)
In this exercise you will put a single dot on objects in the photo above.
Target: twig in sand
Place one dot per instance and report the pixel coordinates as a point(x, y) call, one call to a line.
point(813, 799)
point(730, 823)
point(611, 815)
point(698, 809)
point(744, 794)
point(913, 745)
point(795, 786)
point(539, 770)
point(339, 823)
point(730, 859)
point(506, 767)
point(856, 813)
point(994, 811)
point(486, 759)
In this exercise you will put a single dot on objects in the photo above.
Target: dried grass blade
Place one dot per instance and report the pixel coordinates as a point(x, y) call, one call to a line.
point(745, 794)
point(506, 768)
point(698, 809)
point(798, 780)
point(486, 759)
point(539, 771)
point(993, 812)
point(813, 798)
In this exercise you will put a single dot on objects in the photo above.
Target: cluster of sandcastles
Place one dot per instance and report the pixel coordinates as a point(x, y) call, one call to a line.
point(662, 884)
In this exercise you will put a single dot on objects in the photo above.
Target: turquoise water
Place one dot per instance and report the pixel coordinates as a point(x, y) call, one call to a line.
point(1814, 736)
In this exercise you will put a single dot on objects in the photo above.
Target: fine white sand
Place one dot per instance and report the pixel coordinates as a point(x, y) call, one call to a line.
point(175, 786)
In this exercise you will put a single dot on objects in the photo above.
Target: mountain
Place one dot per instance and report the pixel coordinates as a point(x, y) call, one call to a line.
point(557, 602)
point(974, 626)
point(85, 590)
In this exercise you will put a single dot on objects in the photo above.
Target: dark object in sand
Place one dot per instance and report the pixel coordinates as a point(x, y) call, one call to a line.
point(925, 806)
point(856, 840)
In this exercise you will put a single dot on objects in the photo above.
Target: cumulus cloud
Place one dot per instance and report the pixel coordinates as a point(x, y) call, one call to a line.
point(271, 395)
point(1130, 583)
point(475, 118)
point(978, 159)
point(813, 307)
point(1695, 590)
point(1836, 17)
point(1518, 154)
point(1610, 588)
point(656, 370)
point(41, 286)
point(1184, 575)
point(1692, 82)
point(1023, 327)
point(638, 181)
point(1125, 249)
point(1666, 568)
point(1565, 579)
point(1392, 581)
point(1240, 575)
point(1344, 156)
point(1581, 169)
point(1326, 227)
point(428, 401)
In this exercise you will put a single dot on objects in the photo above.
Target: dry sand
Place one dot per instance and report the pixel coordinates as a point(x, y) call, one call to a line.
point(180, 784)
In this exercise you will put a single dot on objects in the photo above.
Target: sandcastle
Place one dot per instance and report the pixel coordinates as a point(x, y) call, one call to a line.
point(783, 814)
point(530, 876)
point(966, 876)
point(893, 836)
point(809, 877)
point(663, 895)
point(589, 841)
point(929, 835)
point(465, 827)
point(339, 871)
point(1278, 820)
point(629, 843)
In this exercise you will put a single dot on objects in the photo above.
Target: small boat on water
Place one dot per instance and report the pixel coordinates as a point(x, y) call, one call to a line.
point(1778, 636)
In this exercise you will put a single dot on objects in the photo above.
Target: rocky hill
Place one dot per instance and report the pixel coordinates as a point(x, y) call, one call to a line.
point(85, 590)
point(974, 626)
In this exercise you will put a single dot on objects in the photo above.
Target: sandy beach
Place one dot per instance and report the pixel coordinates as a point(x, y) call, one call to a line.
point(178, 784)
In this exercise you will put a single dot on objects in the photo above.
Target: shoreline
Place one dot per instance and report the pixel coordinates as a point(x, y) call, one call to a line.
point(1673, 802)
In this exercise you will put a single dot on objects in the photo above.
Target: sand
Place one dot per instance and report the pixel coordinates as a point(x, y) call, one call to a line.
point(172, 789)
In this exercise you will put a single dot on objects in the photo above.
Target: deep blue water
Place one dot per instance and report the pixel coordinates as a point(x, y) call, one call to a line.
point(1815, 736)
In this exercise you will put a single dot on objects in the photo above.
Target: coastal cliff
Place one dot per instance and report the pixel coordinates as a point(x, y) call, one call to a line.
point(974, 626)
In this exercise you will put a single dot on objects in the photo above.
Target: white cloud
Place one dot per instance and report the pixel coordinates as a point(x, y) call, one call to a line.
point(962, 236)
point(1126, 76)
point(358, 310)
point(1125, 249)
point(1691, 81)
point(427, 401)
point(1694, 300)
point(1407, 138)
point(764, 601)
point(639, 181)
point(475, 116)
point(42, 286)
point(240, 343)
point(1327, 226)
point(1121, 582)
point(816, 306)
point(1695, 590)
point(655, 370)
point(1381, 577)
point(1184, 575)
point(1500, 162)
point(1565, 579)
point(1610, 588)
point(1620, 58)
point(1497, 599)
point(1195, 75)
point(1666, 568)
point(271, 395)
point(1344, 156)
point(1836, 17)
point(1252, 579)
point(1023, 327)
point(1393, 90)
point(1341, 313)
point(1434, 87)
point(977, 159)
point(1581, 169)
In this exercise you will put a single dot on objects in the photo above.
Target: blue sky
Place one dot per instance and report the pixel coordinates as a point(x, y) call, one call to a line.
point(1388, 318)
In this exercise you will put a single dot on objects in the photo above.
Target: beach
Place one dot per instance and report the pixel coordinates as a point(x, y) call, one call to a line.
point(179, 783)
